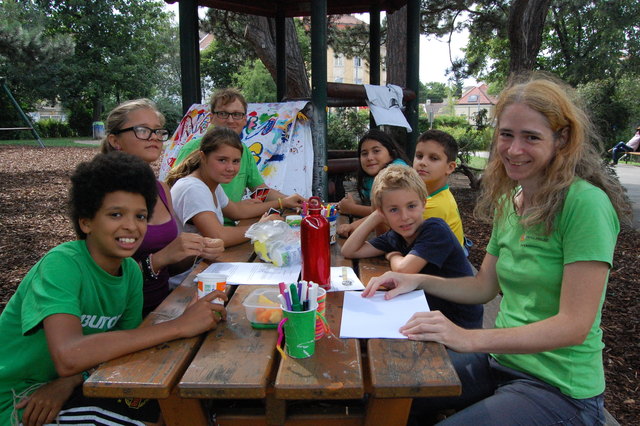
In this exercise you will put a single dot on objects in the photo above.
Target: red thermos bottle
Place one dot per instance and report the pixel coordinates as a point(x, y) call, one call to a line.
point(314, 240)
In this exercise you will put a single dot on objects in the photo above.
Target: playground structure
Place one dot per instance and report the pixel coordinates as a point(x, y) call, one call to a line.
point(29, 124)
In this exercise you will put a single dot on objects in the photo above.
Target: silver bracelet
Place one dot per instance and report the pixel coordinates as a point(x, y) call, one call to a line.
point(149, 268)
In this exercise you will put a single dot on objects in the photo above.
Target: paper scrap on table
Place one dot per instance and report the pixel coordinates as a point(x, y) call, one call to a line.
point(375, 317)
point(337, 284)
point(258, 273)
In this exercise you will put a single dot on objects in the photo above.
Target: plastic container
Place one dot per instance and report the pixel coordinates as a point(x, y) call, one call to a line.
point(98, 129)
point(314, 242)
point(208, 282)
point(262, 308)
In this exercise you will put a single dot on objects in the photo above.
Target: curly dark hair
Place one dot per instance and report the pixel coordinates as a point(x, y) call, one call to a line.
point(105, 173)
point(395, 151)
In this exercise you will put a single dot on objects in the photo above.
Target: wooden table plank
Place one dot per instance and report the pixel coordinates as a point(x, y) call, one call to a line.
point(333, 372)
point(372, 267)
point(406, 368)
point(153, 372)
point(215, 371)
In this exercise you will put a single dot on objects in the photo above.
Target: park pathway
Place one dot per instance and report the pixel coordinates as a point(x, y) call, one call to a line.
point(629, 176)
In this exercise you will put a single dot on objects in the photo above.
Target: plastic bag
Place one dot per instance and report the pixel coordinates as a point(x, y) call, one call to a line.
point(275, 242)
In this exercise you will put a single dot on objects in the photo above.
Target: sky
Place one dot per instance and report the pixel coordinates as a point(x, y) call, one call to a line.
point(434, 53)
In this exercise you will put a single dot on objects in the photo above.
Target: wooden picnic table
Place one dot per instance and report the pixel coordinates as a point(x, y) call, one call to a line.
point(346, 381)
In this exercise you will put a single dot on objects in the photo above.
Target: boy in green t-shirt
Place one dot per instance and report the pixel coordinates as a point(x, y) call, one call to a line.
point(81, 303)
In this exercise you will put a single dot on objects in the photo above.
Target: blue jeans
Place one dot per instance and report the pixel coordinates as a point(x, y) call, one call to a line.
point(619, 150)
point(496, 395)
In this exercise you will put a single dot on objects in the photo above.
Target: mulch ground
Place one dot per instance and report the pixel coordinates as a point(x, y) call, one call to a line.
point(33, 191)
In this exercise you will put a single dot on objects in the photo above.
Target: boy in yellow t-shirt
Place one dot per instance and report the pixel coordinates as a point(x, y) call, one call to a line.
point(435, 160)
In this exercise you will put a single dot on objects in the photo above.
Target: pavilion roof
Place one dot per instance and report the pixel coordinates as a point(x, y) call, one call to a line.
point(297, 7)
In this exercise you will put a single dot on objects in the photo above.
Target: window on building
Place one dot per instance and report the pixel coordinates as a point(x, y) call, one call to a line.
point(357, 62)
point(473, 98)
point(338, 61)
point(339, 80)
point(358, 81)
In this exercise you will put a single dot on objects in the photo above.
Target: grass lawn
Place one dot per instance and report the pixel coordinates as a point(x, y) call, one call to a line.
point(478, 162)
point(51, 142)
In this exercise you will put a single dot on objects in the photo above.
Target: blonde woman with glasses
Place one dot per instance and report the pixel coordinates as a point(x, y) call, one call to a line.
point(137, 128)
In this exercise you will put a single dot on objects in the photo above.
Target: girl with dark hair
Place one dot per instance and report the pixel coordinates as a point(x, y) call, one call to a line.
point(376, 150)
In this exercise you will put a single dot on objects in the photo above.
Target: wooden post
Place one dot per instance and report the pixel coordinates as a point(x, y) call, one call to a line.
point(189, 54)
point(413, 71)
point(319, 96)
point(374, 50)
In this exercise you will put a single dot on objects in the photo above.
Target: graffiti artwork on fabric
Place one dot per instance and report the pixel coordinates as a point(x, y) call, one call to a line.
point(193, 124)
point(279, 137)
point(277, 134)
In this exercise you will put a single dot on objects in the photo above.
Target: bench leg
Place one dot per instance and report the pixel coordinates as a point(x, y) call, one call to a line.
point(387, 411)
point(276, 409)
point(178, 411)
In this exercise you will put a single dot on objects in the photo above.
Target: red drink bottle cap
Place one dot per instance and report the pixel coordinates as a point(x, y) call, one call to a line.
point(315, 203)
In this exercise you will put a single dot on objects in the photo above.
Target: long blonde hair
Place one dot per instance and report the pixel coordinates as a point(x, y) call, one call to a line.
point(212, 140)
point(120, 114)
point(577, 157)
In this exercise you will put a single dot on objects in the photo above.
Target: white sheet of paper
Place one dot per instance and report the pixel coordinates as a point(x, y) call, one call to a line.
point(375, 317)
point(257, 273)
point(337, 279)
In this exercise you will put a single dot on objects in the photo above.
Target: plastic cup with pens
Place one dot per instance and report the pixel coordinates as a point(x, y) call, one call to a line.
point(299, 304)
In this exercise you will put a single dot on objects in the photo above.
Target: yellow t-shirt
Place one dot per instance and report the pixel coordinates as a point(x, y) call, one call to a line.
point(442, 204)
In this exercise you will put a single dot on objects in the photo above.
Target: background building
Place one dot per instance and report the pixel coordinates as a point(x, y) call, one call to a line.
point(473, 100)
point(341, 69)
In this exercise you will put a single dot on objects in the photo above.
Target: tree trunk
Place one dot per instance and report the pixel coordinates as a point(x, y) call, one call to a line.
point(261, 33)
point(526, 23)
point(97, 109)
point(396, 63)
point(397, 47)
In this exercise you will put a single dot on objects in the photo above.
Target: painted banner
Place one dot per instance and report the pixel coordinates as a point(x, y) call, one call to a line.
point(277, 134)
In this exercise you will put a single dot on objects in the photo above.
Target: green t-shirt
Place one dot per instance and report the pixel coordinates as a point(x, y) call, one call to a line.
point(530, 269)
point(65, 281)
point(248, 176)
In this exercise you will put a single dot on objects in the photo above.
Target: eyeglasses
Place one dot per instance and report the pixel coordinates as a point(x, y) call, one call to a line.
point(235, 115)
point(145, 133)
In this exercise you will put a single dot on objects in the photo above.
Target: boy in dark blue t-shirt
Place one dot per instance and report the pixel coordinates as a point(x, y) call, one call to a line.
point(413, 245)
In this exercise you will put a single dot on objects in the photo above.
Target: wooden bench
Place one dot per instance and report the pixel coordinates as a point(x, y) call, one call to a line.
point(630, 153)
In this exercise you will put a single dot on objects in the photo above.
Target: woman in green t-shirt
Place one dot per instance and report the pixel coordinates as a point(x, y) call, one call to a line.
point(556, 216)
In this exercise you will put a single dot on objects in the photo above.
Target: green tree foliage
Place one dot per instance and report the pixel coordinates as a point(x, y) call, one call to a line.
point(613, 107)
point(255, 82)
point(345, 126)
point(588, 40)
point(30, 57)
point(219, 62)
point(118, 48)
point(29, 60)
point(350, 41)
point(434, 91)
